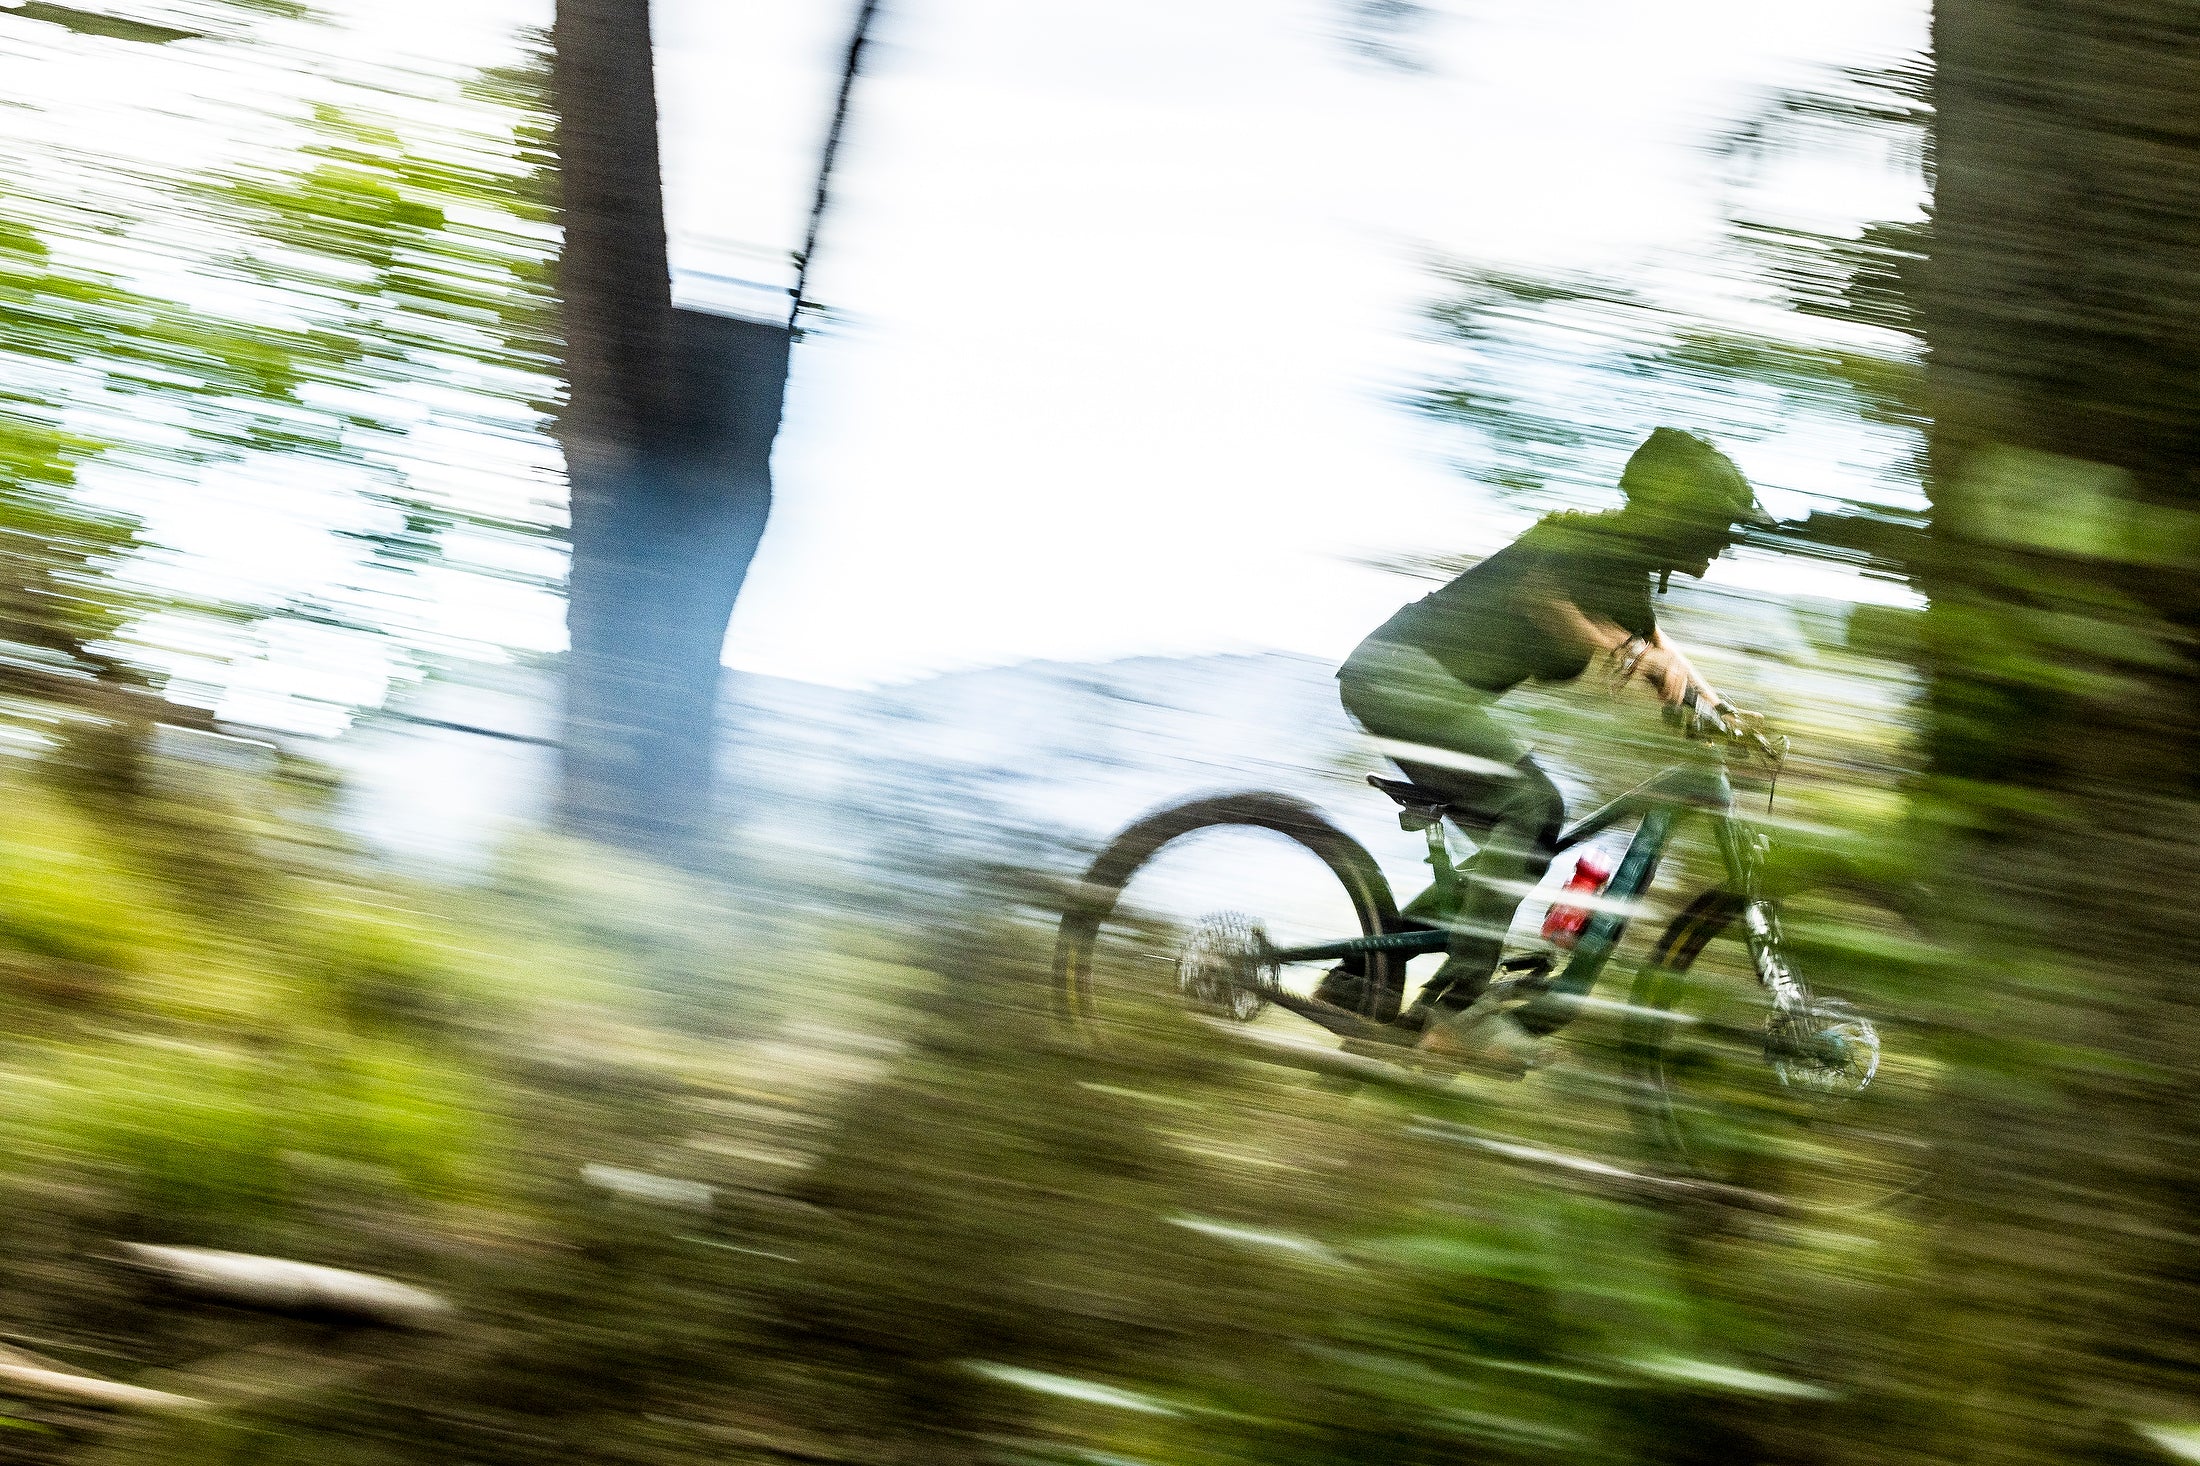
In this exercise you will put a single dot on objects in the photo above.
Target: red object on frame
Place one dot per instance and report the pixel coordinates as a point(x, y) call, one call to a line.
point(1563, 923)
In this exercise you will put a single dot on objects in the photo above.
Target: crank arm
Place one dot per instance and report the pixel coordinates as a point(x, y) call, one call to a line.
point(1340, 1021)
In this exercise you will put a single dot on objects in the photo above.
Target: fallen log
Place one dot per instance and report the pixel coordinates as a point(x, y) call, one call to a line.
point(284, 1286)
point(27, 1374)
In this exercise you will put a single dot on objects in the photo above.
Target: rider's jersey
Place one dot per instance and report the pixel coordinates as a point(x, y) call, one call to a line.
point(1479, 626)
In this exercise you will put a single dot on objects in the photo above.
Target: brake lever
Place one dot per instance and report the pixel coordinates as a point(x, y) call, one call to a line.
point(1727, 721)
point(1773, 749)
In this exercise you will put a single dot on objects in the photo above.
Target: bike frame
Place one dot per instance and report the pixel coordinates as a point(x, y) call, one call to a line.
point(1660, 802)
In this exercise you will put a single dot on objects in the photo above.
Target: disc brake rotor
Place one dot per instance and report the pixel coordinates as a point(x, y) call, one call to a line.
point(1830, 1051)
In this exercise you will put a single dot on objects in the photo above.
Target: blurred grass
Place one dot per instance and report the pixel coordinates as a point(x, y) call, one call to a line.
point(898, 1218)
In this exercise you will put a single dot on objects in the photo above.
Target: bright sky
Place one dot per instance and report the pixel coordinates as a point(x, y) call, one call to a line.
point(1122, 289)
point(1126, 285)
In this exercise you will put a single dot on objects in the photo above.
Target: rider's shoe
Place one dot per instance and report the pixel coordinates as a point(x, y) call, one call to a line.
point(1483, 1039)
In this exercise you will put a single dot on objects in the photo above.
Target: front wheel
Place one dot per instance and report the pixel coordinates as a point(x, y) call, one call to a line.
point(1184, 906)
point(1820, 1106)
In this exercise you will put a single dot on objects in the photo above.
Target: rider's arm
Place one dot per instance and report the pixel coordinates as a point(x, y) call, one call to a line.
point(1659, 658)
point(1558, 617)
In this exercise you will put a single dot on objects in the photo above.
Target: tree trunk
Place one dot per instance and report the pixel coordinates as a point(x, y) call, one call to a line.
point(667, 431)
point(2062, 315)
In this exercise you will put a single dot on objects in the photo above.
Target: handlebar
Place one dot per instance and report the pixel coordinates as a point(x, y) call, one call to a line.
point(1722, 720)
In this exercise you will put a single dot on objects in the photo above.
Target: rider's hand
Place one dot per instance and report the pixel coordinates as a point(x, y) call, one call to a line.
point(1671, 674)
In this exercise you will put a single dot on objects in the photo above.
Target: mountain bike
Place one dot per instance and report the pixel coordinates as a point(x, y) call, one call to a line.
point(1734, 1057)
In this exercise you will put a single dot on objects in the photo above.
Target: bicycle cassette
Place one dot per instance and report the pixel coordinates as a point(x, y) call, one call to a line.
point(1225, 966)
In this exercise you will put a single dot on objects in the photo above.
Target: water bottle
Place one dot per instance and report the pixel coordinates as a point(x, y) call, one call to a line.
point(1563, 923)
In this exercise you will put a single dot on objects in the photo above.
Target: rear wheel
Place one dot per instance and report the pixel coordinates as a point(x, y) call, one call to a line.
point(1820, 1107)
point(1184, 908)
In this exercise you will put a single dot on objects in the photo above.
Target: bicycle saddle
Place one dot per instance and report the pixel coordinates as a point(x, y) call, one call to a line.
point(1419, 805)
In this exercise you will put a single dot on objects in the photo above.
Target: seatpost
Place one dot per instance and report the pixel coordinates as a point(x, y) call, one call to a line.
point(1439, 860)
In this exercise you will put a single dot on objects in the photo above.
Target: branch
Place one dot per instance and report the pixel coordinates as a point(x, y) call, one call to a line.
point(89, 23)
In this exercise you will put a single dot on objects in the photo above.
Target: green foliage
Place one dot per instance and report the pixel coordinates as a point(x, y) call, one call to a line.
point(890, 1216)
point(381, 971)
point(1784, 328)
point(349, 309)
point(55, 553)
point(66, 897)
point(1556, 374)
point(192, 1134)
point(234, 1054)
point(91, 23)
point(422, 271)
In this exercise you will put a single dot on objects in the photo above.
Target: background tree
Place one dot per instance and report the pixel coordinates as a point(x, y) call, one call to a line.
point(346, 304)
point(2062, 312)
point(667, 429)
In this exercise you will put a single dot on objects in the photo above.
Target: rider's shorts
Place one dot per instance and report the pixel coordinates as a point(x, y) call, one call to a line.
point(1439, 729)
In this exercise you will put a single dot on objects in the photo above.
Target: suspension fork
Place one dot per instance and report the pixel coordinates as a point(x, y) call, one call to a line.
point(1743, 850)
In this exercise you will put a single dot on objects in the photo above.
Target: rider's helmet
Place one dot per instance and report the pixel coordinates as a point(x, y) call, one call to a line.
point(1689, 494)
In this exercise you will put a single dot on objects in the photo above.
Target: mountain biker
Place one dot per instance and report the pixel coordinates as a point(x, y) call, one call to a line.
point(1573, 587)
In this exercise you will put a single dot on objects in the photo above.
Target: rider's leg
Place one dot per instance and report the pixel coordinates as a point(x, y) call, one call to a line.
point(1440, 732)
point(1522, 839)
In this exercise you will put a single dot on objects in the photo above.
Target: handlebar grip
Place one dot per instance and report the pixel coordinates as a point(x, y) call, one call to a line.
point(1695, 714)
